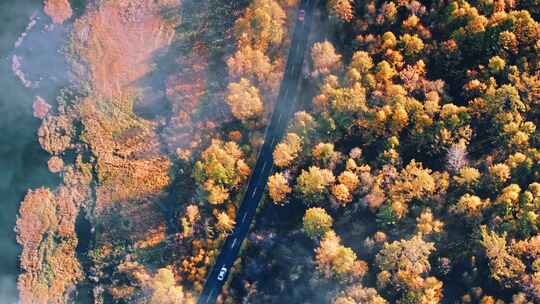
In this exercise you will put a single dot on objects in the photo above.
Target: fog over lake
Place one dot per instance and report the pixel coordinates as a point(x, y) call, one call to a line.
point(22, 161)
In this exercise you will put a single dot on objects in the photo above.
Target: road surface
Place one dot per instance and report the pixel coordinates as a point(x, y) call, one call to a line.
point(274, 132)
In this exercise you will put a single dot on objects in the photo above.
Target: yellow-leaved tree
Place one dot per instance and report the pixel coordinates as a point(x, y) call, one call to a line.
point(262, 25)
point(317, 222)
point(405, 265)
point(342, 9)
point(278, 188)
point(244, 100)
point(314, 183)
point(334, 260)
point(325, 59)
point(358, 294)
point(249, 63)
point(165, 291)
point(221, 168)
point(287, 151)
point(224, 222)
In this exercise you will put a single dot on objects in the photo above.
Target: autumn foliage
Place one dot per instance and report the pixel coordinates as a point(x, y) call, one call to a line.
point(222, 169)
point(244, 100)
point(58, 10)
point(414, 150)
point(335, 260)
point(262, 25)
point(317, 222)
point(278, 188)
point(165, 290)
point(46, 232)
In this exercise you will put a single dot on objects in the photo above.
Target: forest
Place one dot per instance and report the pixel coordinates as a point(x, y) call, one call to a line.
point(409, 173)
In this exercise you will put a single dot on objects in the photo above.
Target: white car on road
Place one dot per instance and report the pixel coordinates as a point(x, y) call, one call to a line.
point(222, 273)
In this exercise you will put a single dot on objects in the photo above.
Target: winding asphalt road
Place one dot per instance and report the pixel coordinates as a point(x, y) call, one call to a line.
point(283, 110)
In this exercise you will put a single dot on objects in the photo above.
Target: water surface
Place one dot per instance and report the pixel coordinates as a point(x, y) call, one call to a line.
point(23, 164)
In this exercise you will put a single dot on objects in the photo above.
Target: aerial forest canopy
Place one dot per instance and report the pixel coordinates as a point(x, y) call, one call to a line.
point(409, 172)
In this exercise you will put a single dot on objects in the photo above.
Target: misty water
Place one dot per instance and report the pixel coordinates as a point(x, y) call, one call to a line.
point(23, 164)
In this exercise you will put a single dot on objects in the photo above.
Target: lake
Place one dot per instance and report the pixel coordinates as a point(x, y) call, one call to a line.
point(23, 164)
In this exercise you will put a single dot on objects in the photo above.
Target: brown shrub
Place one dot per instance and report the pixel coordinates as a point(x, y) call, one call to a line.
point(58, 10)
point(117, 42)
point(40, 107)
point(46, 232)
